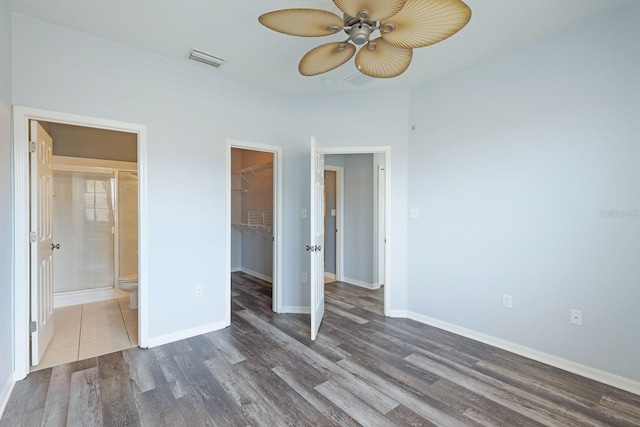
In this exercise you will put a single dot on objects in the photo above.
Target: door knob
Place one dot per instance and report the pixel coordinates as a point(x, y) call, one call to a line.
point(55, 246)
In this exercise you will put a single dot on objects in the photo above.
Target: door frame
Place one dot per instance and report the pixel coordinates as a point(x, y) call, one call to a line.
point(278, 192)
point(379, 226)
point(386, 150)
point(21, 245)
point(339, 170)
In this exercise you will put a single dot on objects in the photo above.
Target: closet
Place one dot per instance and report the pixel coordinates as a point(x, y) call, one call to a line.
point(252, 213)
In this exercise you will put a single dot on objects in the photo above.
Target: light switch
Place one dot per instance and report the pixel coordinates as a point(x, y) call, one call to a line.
point(333, 212)
point(303, 213)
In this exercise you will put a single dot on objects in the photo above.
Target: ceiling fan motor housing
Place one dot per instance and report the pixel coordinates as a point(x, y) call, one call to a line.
point(358, 29)
point(360, 34)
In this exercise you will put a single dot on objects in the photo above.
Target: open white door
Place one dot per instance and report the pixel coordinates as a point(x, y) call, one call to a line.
point(41, 237)
point(315, 249)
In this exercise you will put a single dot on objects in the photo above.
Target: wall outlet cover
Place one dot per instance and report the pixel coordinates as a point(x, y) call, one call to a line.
point(507, 301)
point(576, 317)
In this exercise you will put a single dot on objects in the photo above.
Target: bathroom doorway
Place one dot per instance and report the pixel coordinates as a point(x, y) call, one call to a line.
point(254, 188)
point(85, 181)
point(95, 242)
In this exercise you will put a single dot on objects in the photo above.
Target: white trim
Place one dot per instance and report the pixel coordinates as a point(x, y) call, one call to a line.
point(236, 269)
point(186, 333)
point(291, 309)
point(278, 225)
point(21, 117)
point(360, 283)
point(6, 393)
point(404, 314)
point(256, 274)
point(386, 150)
point(549, 359)
point(86, 296)
point(339, 170)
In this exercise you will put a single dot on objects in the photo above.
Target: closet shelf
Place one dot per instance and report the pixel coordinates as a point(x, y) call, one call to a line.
point(253, 170)
point(257, 220)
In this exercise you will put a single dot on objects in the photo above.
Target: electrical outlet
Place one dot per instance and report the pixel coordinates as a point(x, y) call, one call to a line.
point(198, 291)
point(506, 301)
point(303, 213)
point(414, 213)
point(304, 278)
point(576, 317)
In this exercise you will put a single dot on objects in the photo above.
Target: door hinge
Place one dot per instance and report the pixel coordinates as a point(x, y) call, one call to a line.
point(33, 326)
point(32, 236)
point(32, 146)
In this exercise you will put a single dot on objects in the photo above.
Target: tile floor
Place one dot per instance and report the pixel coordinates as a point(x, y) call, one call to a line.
point(89, 330)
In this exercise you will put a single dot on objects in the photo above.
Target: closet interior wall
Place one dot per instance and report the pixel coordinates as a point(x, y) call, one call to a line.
point(252, 212)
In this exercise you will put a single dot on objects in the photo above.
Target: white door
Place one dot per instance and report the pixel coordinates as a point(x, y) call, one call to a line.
point(316, 251)
point(42, 245)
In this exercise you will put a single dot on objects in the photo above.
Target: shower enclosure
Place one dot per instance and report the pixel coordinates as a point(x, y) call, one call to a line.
point(95, 220)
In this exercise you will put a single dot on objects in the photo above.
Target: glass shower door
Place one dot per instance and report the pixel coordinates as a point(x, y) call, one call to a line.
point(83, 218)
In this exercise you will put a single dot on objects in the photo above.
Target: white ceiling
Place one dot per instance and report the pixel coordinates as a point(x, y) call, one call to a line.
point(257, 55)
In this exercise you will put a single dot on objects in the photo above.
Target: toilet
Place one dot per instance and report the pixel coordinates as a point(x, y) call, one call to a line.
point(130, 284)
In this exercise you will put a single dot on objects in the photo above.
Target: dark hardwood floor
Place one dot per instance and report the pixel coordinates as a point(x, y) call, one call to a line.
point(364, 369)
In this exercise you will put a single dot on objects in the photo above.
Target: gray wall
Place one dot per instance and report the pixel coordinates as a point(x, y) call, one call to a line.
point(330, 222)
point(516, 166)
point(6, 229)
point(358, 214)
point(77, 141)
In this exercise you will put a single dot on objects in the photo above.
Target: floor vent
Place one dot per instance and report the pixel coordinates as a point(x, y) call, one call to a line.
point(205, 58)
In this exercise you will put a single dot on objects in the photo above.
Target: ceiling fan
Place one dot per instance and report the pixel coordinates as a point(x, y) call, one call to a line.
point(403, 26)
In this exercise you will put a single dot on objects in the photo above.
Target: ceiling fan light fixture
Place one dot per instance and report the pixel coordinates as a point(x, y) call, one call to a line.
point(360, 35)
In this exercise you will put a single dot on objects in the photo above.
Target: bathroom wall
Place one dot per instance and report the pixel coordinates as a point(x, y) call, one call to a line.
point(79, 141)
point(127, 223)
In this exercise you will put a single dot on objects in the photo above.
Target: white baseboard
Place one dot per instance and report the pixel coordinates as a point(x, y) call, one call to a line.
point(398, 313)
point(296, 310)
point(329, 276)
point(187, 333)
point(360, 283)
point(549, 359)
point(256, 274)
point(5, 393)
point(65, 299)
point(236, 269)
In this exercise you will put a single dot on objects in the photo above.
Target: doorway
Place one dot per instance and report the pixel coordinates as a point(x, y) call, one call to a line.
point(317, 210)
point(354, 216)
point(23, 293)
point(254, 201)
point(333, 220)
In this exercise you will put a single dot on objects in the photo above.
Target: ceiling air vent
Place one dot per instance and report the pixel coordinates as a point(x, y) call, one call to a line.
point(358, 79)
point(205, 58)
